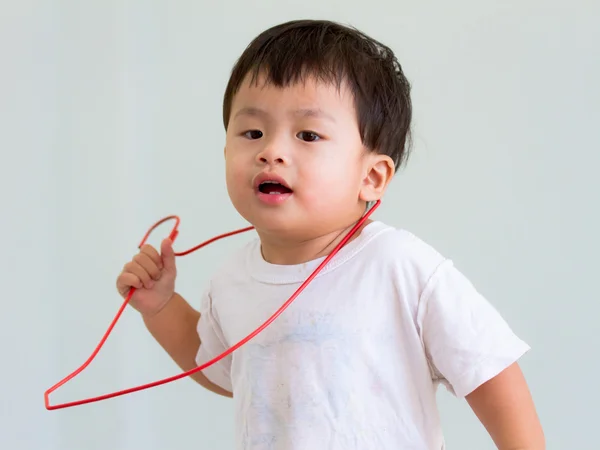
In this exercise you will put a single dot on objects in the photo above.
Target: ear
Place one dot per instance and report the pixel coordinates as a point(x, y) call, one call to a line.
point(225, 152)
point(379, 172)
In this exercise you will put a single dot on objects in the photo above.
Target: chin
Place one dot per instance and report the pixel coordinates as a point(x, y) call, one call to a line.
point(278, 223)
point(289, 219)
point(261, 217)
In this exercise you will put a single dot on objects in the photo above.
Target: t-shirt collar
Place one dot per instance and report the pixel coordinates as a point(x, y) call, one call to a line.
point(266, 272)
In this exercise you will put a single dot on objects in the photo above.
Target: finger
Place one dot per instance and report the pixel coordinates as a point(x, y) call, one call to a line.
point(127, 281)
point(168, 255)
point(153, 254)
point(134, 268)
point(148, 264)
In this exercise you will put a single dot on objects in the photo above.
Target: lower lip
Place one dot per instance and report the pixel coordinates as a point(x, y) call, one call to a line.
point(273, 199)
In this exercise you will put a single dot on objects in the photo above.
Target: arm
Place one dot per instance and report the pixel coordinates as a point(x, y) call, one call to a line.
point(468, 342)
point(505, 408)
point(174, 327)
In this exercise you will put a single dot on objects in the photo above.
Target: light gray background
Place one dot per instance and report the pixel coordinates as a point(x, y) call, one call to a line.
point(111, 119)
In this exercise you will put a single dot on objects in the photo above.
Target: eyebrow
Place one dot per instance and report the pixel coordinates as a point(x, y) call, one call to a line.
point(304, 112)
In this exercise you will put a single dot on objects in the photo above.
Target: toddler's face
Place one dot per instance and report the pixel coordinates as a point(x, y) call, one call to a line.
point(295, 162)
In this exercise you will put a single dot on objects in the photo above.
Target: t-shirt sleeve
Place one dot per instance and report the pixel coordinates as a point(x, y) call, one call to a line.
point(212, 344)
point(466, 340)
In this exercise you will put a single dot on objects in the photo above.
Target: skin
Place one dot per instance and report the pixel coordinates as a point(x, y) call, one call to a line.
point(308, 135)
point(505, 408)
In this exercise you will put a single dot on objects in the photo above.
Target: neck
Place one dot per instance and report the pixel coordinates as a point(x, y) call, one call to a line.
point(288, 251)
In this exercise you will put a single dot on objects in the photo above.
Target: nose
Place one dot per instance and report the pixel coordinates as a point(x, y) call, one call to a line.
point(272, 154)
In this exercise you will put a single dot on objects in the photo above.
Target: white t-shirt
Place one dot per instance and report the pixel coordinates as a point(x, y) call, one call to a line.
point(355, 360)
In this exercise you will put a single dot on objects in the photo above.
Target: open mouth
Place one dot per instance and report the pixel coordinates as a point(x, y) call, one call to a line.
point(274, 188)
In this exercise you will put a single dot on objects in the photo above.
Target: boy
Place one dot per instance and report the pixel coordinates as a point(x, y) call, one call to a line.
point(317, 118)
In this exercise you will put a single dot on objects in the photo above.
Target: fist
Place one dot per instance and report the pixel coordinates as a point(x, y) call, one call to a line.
point(153, 275)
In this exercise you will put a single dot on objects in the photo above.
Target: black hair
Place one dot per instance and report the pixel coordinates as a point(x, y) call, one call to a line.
point(334, 53)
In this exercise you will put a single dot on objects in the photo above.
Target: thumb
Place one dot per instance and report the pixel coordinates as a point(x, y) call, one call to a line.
point(167, 254)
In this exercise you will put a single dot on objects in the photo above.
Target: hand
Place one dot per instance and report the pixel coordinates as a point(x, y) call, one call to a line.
point(152, 275)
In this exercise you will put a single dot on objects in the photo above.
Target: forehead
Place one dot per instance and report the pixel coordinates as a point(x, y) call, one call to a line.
point(307, 94)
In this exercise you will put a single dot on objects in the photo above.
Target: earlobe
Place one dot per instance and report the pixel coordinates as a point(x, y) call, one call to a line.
point(379, 174)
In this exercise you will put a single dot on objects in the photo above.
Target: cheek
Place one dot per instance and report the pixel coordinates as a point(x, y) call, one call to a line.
point(236, 173)
point(331, 181)
point(237, 162)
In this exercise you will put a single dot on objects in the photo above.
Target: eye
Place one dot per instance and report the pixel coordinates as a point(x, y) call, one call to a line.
point(308, 136)
point(253, 134)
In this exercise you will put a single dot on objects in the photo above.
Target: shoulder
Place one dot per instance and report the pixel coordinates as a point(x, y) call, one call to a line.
point(392, 260)
point(400, 248)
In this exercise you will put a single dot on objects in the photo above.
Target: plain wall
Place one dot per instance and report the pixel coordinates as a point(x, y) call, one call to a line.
point(111, 119)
